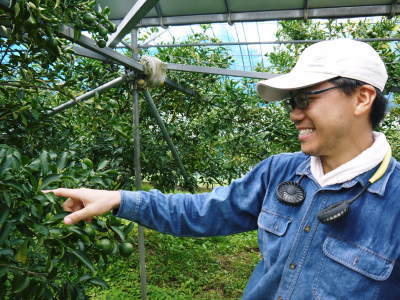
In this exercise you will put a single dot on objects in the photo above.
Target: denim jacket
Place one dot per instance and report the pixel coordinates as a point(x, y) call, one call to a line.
point(354, 258)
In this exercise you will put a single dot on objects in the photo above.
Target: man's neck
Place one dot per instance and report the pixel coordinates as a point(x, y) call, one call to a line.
point(332, 162)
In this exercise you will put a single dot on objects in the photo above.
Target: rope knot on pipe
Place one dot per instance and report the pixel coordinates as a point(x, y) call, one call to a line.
point(154, 69)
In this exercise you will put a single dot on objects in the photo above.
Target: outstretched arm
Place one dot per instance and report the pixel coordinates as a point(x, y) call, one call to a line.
point(84, 204)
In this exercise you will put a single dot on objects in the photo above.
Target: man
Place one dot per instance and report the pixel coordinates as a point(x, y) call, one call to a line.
point(348, 251)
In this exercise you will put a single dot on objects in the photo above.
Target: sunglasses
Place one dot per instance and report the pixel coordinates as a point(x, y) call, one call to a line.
point(301, 100)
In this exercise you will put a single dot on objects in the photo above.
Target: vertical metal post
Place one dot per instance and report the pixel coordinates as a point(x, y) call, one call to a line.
point(138, 173)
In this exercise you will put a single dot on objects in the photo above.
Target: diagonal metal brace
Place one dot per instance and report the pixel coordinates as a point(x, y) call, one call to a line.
point(87, 95)
point(167, 138)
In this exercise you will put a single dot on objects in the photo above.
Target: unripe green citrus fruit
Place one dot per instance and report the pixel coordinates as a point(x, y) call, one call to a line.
point(126, 249)
point(105, 245)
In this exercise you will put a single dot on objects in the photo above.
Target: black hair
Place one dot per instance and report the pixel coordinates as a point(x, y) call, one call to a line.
point(349, 86)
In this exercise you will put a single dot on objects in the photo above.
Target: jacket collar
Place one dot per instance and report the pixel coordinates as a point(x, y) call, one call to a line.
point(377, 187)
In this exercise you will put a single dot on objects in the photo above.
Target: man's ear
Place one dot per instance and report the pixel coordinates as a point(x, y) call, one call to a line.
point(364, 99)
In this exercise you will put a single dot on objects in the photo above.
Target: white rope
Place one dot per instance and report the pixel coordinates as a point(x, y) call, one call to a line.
point(154, 69)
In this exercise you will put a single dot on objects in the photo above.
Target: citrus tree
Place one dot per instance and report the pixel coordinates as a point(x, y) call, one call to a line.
point(40, 258)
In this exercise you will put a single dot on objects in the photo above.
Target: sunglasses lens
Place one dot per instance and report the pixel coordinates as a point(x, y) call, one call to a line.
point(288, 104)
point(301, 101)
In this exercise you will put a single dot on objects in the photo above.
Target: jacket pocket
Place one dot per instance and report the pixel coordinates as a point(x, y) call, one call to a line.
point(273, 222)
point(272, 228)
point(358, 258)
point(348, 269)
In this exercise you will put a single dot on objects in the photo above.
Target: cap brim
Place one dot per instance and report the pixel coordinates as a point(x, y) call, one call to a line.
point(279, 87)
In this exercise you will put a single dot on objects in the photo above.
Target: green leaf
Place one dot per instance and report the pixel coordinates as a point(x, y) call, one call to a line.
point(5, 211)
point(17, 9)
point(81, 245)
point(82, 257)
point(20, 283)
point(6, 252)
point(5, 232)
point(41, 229)
point(49, 180)
point(98, 181)
point(22, 254)
point(7, 199)
point(62, 161)
point(84, 278)
point(75, 229)
point(5, 164)
point(49, 265)
point(51, 198)
point(44, 163)
point(118, 231)
point(56, 218)
point(16, 187)
point(102, 165)
point(129, 228)
point(100, 282)
point(3, 271)
point(77, 33)
point(34, 165)
point(88, 163)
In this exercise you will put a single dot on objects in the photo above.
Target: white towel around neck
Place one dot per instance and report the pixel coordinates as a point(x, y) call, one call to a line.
point(363, 162)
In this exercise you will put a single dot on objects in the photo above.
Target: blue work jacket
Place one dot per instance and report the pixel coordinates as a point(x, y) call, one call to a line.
point(354, 258)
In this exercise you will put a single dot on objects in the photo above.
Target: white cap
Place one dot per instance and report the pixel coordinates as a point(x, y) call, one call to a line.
point(326, 60)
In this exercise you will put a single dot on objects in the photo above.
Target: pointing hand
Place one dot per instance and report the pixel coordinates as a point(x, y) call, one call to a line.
point(85, 203)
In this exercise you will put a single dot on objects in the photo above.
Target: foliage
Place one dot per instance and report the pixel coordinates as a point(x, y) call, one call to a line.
point(36, 249)
point(34, 25)
point(190, 268)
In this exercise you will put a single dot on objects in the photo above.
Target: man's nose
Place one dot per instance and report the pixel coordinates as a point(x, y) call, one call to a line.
point(296, 115)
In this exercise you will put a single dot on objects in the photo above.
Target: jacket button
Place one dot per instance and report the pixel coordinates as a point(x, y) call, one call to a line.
point(307, 228)
point(292, 266)
point(280, 298)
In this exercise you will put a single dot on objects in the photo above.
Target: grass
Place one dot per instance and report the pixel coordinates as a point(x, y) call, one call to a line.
point(183, 268)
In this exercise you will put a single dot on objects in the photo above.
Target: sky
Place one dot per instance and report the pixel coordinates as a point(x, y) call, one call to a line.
point(246, 56)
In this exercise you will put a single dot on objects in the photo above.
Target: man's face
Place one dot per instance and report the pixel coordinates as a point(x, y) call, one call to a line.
point(325, 125)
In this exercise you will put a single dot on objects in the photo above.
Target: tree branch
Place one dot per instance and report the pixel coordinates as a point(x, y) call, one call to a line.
point(25, 270)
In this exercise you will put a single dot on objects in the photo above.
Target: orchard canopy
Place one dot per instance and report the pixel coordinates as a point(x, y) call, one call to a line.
point(204, 126)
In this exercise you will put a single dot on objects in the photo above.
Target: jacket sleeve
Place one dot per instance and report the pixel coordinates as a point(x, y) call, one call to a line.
point(223, 211)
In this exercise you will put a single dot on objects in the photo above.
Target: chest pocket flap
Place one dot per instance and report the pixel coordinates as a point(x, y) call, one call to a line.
point(358, 258)
point(273, 222)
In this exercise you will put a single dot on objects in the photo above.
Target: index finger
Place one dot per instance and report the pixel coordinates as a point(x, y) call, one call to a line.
point(63, 192)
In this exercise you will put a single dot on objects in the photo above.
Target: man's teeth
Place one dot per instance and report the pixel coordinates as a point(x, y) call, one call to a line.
point(306, 131)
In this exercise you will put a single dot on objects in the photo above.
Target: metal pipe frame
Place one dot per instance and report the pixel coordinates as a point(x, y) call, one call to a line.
point(219, 71)
point(88, 95)
point(368, 40)
point(228, 11)
point(306, 10)
point(138, 185)
point(159, 13)
point(68, 33)
point(394, 8)
point(81, 51)
point(136, 13)
point(292, 14)
point(4, 4)
point(166, 135)
point(108, 54)
point(138, 171)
